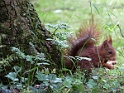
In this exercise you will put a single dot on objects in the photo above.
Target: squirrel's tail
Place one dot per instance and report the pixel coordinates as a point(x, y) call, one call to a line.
point(85, 37)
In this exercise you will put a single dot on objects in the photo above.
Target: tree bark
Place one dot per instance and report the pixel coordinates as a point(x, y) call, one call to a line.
point(19, 25)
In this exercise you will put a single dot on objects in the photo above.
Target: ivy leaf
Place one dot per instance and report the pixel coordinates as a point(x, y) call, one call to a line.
point(52, 77)
point(43, 63)
point(91, 83)
point(67, 82)
point(95, 77)
point(23, 79)
point(17, 69)
point(29, 59)
point(40, 76)
point(57, 80)
point(12, 76)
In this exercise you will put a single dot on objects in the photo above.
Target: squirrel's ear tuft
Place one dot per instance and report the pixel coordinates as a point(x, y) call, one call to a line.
point(110, 40)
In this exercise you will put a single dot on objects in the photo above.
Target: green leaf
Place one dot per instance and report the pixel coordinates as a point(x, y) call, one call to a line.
point(43, 63)
point(106, 86)
point(52, 77)
point(17, 69)
point(23, 79)
point(95, 77)
point(40, 76)
point(57, 80)
point(68, 82)
point(29, 59)
point(91, 83)
point(79, 87)
point(121, 69)
point(12, 76)
point(49, 39)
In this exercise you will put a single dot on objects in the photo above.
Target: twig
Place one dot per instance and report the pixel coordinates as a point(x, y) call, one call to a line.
point(120, 30)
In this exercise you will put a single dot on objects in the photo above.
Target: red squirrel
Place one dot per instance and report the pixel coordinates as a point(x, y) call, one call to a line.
point(83, 45)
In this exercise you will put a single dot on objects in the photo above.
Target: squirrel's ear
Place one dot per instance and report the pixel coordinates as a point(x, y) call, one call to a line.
point(105, 44)
point(110, 40)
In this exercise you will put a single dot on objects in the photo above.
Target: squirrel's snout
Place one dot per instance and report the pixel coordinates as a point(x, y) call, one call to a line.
point(114, 62)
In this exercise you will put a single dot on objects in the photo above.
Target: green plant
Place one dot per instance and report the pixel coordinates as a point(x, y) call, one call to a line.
point(21, 75)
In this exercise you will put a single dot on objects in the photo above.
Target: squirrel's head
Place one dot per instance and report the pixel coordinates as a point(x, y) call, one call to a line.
point(106, 51)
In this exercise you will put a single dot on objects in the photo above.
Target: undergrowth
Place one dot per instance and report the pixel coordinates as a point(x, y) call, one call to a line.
point(40, 79)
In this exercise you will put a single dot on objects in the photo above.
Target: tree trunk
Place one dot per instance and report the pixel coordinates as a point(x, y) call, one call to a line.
point(20, 25)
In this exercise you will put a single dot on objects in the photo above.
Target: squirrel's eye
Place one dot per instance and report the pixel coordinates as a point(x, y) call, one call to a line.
point(109, 52)
point(105, 60)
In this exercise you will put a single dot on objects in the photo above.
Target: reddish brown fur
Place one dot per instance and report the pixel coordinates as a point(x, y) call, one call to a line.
point(84, 46)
